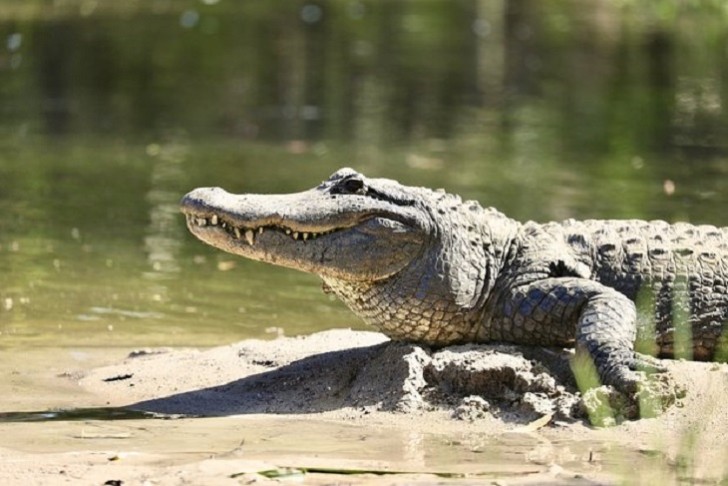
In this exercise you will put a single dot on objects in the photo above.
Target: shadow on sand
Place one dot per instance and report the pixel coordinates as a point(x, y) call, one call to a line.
point(355, 377)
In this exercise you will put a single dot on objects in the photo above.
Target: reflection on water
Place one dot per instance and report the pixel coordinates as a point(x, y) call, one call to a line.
point(164, 237)
point(112, 110)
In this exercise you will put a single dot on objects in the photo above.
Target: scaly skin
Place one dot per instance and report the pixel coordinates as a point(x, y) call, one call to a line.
point(424, 266)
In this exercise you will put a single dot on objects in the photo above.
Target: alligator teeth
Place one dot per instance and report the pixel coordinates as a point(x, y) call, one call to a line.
point(250, 233)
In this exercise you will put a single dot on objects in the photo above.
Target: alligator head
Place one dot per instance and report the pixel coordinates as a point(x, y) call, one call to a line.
point(342, 229)
point(408, 260)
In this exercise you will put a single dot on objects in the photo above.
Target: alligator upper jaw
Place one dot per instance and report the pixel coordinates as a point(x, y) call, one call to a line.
point(301, 215)
point(355, 239)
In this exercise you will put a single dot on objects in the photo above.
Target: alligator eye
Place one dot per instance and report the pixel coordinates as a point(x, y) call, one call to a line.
point(353, 186)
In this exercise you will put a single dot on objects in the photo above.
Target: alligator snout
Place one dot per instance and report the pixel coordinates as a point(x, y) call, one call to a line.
point(203, 199)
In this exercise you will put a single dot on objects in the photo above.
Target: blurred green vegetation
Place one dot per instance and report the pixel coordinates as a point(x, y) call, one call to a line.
point(619, 77)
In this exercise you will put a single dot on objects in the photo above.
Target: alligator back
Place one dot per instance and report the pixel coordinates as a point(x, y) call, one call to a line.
point(678, 271)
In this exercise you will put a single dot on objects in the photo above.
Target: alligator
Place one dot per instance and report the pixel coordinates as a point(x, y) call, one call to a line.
point(424, 266)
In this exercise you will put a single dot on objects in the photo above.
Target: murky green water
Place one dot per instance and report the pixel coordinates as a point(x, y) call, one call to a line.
point(110, 111)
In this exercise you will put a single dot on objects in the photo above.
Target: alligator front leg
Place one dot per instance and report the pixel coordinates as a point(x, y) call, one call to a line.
point(606, 331)
point(598, 320)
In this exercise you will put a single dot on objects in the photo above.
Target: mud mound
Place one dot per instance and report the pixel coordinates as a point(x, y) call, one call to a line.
point(361, 371)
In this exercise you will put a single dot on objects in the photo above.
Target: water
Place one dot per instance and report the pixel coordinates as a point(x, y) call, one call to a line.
point(111, 111)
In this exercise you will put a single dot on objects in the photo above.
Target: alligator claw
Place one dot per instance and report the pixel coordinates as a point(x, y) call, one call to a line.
point(631, 396)
point(647, 364)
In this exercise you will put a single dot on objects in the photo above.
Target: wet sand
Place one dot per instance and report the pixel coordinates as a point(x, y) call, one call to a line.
point(340, 401)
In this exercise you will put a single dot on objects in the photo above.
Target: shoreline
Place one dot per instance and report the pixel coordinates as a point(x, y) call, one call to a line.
point(337, 398)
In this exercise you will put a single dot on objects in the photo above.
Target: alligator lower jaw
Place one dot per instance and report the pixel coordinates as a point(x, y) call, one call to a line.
point(250, 233)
